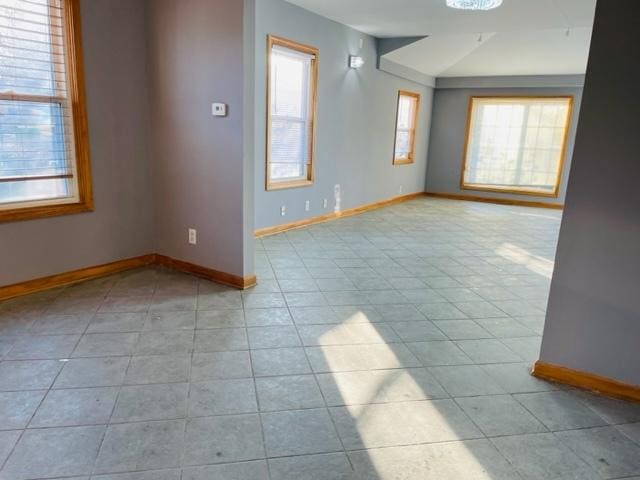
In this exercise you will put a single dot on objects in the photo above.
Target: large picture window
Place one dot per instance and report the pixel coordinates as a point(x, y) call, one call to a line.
point(291, 101)
point(516, 144)
point(44, 163)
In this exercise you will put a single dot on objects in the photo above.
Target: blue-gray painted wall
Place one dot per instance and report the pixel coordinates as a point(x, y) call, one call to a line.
point(355, 121)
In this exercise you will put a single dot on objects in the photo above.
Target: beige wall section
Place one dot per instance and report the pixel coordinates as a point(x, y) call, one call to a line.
point(196, 51)
point(113, 35)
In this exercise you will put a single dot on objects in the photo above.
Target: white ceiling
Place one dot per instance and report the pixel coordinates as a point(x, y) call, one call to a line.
point(522, 37)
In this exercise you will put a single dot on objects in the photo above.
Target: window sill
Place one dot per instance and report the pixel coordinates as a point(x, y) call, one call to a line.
point(44, 211)
point(404, 161)
point(512, 191)
point(291, 184)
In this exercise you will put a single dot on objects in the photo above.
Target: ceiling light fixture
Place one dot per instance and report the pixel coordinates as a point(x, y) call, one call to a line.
point(474, 4)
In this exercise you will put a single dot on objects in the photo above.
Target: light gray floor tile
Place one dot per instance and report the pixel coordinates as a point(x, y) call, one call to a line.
point(299, 432)
point(170, 321)
point(164, 343)
point(631, 430)
point(288, 393)
point(347, 334)
point(218, 365)
point(220, 397)
point(54, 452)
point(273, 337)
point(268, 317)
point(279, 361)
point(256, 470)
point(543, 456)
point(379, 386)
point(7, 441)
point(559, 410)
point(158, 369)
point(407, 423)
point(527, 348)
point(87, 406)
point(505, 328)
point(173, 474)
point(116, 322)
point(517, 378)
point(611, 410)
point(498, 415)
point(487, 351)
point(462, 329)
point(141, 446)
point(61, 324)
point(225, 439)
point(433, 354)
point(418, 331)
point(400, 313)
point(360, 357)
point(605, 449)
point(221, 340)
point(211, 301)
point(263, 300)
point(106, 344)
point(173, 303)
point(441, 311)
point(28, 374)
point(326, 466)
point(357, 314)
point(17, 408)
point(220, 319)
point(470, 459)
point(92, 372)
point(314, 315)
point(151, 402)
point(466, 381)
point(42, 347)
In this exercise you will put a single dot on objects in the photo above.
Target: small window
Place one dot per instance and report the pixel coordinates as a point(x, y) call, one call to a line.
point(291, 103)
point(516, 145)
point(44, 164)
point(406, 121)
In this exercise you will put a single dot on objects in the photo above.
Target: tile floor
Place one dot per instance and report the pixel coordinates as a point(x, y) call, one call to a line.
point(392, 345)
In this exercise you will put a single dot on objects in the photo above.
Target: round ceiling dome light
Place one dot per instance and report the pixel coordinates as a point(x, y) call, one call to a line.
point(474, 4)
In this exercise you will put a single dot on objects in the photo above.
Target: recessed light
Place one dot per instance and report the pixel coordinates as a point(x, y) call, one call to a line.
point(474, 4)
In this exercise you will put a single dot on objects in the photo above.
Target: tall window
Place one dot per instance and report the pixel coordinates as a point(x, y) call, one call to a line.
point(44, 164)
point(291, 103)
point(516, 144)
point(406, 120)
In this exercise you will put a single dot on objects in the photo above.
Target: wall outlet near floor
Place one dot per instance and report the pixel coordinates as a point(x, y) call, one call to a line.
point(193, 236)
point(337, 195)
point(307, 206)
point(325, 203)
point(283, 211)
point(400, 189)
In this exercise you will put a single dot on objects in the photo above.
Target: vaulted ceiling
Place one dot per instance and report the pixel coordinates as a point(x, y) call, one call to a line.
point(522, 37)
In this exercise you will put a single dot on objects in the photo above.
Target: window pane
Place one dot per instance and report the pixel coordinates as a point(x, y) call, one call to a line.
point(34, 190)
point(405, 126)
point(36, 124)
point(290, 113)
point(516, 143)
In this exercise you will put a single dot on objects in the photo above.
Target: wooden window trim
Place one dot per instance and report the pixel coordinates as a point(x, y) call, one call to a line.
point(272, 41)
point(77, 98)
point(518, 191)
point(411, 156)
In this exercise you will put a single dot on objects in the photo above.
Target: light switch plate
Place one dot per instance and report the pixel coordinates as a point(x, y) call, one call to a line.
point(219, 109)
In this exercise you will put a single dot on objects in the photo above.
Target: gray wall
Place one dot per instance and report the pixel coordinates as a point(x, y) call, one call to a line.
point(355, 123)
point(448, 131)
point(196, 53)
point(593, 319)
point(113, 34)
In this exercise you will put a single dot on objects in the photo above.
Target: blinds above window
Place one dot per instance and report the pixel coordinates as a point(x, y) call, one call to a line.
point(37, 155)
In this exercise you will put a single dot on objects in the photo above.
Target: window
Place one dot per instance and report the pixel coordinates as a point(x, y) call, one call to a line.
point(406, 120)
point(291, 102)
point(516, 145)
point(44, 162)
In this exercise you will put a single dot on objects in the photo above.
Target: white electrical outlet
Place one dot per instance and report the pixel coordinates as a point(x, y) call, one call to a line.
point(337, 195)
point(307, 206)
point(283, 211)
point(325, 203)
point(400, 189)
point(193, 236)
